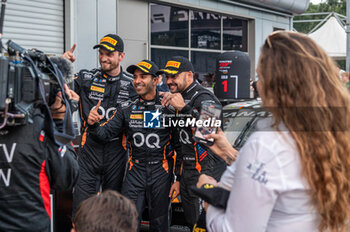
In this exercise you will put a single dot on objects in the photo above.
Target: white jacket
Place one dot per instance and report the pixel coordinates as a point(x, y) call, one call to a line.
point(268, 191)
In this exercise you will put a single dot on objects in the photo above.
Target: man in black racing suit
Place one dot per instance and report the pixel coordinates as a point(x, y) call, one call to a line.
point(151, 144)
point(102, 165)
point(31, 164)
point(188, 96)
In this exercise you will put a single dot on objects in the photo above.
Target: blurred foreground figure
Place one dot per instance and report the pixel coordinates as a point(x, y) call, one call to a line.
point(31, 165)
point(106, 212)
point(293, 172)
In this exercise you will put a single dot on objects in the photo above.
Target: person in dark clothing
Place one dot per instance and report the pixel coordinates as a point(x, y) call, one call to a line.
point(102, 164)
point(162, 86)
point(31, 165)
point(187, 97)
point(151, 143)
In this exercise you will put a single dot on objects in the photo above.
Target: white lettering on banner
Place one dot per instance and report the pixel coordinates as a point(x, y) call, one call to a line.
point(107, 114)
point(8, 156)
point(247, 113)
point(5, 179)
point(181, 123)
point(147, 139)
point(191, 122)
point(182, 15)
point(5, 176)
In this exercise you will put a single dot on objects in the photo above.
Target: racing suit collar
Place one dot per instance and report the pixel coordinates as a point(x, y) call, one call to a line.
point(189, 88)
point(150, 102)
point(112, 78)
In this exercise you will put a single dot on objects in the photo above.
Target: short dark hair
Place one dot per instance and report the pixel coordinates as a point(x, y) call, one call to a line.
point(106, 212)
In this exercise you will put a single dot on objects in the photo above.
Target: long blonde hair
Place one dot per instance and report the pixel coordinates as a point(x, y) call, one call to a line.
point(301, 81)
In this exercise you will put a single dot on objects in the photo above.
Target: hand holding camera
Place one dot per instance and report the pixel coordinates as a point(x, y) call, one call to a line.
point(58, 108)
point(222, 147)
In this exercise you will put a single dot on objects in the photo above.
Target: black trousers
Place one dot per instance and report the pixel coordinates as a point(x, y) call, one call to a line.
point(191, 204)
point(101, 166)
point(149, 182)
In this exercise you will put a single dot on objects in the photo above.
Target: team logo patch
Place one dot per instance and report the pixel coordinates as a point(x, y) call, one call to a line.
point(96, 96)
point(124, 84)
point(42, 136)
point(145, 64)
point(151, 119)
point(174, 64)
point(87, 76)
point(136, 116)
point(62, 150)
point(109, 40)
point(258, 172)
point(97, 89)
point(99, 80)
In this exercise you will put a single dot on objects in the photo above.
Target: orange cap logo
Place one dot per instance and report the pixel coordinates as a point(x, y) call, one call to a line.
point(145, 64)
point(109, 40)
point(174, 64)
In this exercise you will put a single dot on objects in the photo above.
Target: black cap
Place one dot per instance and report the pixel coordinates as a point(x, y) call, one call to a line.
point(145, 66)
point(112, 43)
point(177, 65)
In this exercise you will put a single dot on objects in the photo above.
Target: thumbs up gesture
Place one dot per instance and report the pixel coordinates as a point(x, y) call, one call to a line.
point(69, 54)
point(94, 116)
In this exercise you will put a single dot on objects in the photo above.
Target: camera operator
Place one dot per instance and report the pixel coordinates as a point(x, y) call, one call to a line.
point(31, 164)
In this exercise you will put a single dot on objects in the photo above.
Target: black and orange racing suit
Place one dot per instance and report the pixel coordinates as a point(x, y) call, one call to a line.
point(197, 158)
point(102, 163)
point(150, 169)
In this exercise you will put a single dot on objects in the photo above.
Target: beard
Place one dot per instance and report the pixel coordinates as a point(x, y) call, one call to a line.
point(178, 86)
point(107, 67)
point(173, 88)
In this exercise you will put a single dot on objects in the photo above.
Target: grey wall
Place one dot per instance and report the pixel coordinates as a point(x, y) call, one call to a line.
point(133, 27)
point(91, 19)
point(264, 25)
point(261, 24)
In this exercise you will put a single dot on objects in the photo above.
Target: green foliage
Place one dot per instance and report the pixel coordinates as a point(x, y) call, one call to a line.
point(338, 6)
point(341, 64)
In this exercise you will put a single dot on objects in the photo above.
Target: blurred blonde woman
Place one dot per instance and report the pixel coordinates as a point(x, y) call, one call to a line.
point(293, 174)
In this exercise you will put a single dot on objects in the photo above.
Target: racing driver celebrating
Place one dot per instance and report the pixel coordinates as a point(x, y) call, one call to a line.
point(151, 145)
